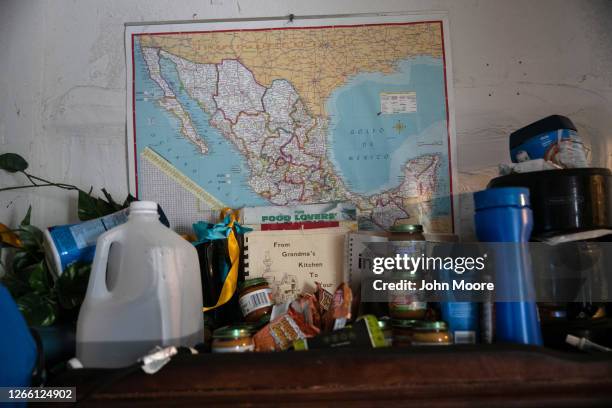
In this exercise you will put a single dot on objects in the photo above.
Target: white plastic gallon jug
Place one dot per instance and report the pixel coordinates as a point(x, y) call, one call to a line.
point(144, 291)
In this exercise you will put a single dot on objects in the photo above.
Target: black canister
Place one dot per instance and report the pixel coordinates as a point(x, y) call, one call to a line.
point(565, 201)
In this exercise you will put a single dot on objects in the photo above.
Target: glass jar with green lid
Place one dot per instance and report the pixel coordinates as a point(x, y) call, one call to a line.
point(255, 298)
point(431, 334)
point(233, 339)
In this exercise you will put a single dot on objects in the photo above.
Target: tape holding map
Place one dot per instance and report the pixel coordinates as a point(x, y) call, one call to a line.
point(374, 125)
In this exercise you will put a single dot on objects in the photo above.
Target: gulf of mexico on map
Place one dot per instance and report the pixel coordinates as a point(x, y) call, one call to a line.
point(251, 113)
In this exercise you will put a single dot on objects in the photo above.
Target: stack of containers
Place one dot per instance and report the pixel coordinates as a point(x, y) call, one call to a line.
point(408, 312)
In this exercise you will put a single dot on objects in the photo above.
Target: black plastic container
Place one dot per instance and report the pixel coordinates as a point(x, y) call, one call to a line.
point(565, 201)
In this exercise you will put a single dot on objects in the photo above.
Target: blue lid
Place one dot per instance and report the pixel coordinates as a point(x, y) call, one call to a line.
point(501, 197)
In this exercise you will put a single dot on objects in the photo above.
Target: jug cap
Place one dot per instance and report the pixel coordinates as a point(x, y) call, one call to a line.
point(143, 206)
point(501, 197)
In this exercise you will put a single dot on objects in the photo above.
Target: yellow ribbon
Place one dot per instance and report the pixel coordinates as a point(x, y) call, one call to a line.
point(233, 249)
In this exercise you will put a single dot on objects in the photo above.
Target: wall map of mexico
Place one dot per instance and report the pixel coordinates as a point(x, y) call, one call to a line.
point(302, 115)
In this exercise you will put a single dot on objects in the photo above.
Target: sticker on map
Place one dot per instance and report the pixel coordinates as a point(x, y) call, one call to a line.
point(271, 112)
point(398, 102)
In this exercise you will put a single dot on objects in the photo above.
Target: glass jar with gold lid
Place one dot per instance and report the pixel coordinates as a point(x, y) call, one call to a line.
point(431, 334)
point(236, 338)
point(255, 298)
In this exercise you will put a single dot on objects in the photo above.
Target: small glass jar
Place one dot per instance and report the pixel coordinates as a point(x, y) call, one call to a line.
point(402, 332)
point(406, 232)
point(408, 240)
point(431, 334)
point(405, 307)
point(255, 298)
point(233, 339)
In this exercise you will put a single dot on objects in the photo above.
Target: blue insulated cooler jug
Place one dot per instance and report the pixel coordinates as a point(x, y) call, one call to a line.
point(503, 215)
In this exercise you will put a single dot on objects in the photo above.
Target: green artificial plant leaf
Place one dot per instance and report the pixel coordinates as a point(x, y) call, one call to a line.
point(72, 285)
point(37, 310)
point(12, 162)
point(26, 219)
point(109, 198)
point(87, 206)
point(103, 208)
point(31, 238)
point(24, 259)
point(15, 285)
point(91, 207)
point(129, 199)
point(38, 278)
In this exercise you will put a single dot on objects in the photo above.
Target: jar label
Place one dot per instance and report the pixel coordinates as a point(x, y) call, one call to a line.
point(255, 300)
point(234, 349)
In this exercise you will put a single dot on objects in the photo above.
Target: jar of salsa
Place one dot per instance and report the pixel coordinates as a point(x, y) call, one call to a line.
point(431, 334)
point(233, 339)
point(255, 298)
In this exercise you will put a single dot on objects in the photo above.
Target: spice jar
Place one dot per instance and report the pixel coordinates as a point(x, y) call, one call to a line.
point(233, 339)
point(431, 334)
point(402, 332)
point(255, 298)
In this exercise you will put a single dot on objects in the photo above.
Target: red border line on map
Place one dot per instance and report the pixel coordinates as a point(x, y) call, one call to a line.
point(450, 172)
point(450, 166)
point(134, 119)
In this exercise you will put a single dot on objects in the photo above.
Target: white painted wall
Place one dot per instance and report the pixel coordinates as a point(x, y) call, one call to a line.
point(62, 81)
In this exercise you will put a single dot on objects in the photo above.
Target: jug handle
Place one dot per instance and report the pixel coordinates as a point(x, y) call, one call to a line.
point(98, 269)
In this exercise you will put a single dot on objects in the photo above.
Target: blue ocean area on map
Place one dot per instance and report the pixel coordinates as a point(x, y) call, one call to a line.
point(368, 147)
point(159, 130)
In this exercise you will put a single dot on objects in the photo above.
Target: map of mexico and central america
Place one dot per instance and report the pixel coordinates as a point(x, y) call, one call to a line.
point(296, 116)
